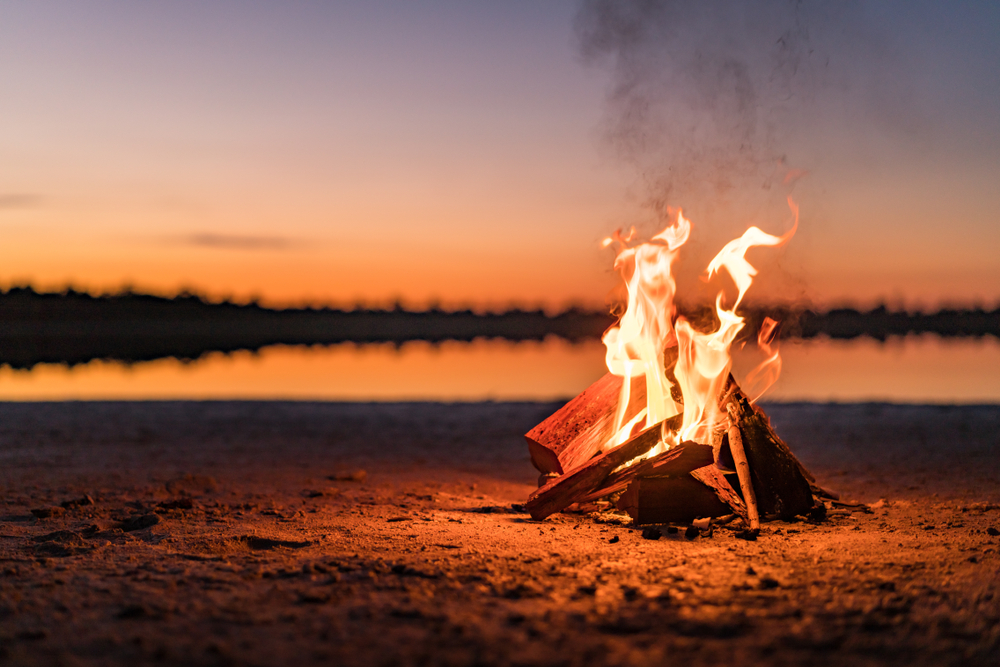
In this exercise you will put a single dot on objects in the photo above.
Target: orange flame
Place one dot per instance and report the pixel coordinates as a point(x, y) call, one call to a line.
point(760, 379)
point(650, 325)
point(635, 345)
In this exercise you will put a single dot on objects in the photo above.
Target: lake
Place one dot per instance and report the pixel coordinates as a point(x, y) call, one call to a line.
point(919, 369)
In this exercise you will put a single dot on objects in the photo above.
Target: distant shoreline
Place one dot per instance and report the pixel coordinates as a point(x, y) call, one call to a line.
point(73, 327)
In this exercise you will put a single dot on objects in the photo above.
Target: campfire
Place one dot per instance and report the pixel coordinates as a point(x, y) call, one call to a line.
point(668, 435)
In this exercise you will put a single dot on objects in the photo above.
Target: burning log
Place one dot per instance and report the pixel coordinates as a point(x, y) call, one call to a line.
point(572, 435)
point(679, 460)
point(682, 366)
point(575, 485)
point(780, 483)
point(675, 490)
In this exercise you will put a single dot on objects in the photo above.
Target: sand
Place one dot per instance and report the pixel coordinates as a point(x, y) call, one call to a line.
point(244, 533)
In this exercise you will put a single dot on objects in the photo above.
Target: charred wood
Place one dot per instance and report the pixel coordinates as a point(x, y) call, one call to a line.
point(672, 499)
point(678, 460)
point(713, 478)
point(781, 484)
point(578, 483)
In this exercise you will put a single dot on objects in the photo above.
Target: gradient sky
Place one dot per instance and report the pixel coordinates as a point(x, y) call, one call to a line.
point(464, 152)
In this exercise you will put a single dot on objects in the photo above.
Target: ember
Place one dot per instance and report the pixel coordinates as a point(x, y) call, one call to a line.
point(668, 435)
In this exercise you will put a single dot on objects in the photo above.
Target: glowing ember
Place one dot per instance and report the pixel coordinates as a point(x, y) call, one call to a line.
point(642, 343)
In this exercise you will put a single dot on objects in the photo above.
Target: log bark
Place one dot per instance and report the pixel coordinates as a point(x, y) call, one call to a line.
point(713, 478)
point(743, 472)
point(671, 499)
point(578, 431)
point(781, 484)
point(679, 460)
point(575, 485)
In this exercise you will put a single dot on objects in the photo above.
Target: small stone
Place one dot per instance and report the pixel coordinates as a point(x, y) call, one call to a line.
point(47, 512)
point(992, 531)
point(691, 532)
point(767, 583)
point(613, 540)
point(651, 534)
point(139, 522)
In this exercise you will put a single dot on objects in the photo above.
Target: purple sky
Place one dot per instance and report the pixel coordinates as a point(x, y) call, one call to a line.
point(468, 152)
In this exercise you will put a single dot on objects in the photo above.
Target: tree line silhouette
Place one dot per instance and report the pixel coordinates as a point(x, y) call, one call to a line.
point(73, 327)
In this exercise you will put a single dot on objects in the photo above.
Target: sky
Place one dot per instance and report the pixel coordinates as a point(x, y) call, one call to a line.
point(476, 153)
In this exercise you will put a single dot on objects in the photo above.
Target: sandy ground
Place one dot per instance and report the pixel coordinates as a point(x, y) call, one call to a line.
point(241, 533)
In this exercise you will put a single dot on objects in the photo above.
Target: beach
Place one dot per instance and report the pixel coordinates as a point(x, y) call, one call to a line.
point(295, 532)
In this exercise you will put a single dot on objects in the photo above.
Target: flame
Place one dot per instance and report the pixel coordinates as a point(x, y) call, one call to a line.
point(766, 373)
point(650, 325)
point(635, 345)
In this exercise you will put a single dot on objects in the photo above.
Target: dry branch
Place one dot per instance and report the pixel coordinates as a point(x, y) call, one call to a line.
point(743, 472)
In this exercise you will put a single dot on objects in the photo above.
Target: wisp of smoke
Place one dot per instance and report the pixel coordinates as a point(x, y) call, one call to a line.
point(706, 97)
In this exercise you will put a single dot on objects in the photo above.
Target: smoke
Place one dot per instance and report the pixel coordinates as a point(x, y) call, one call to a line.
point(710, 100)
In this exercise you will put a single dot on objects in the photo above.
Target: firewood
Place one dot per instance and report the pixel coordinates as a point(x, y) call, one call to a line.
point(576, 484)
point(576, 432)
point(820, 492)
point(670, 499)
point(743, 471)
point(713, 478)
point(678, 460)
point(781, 484)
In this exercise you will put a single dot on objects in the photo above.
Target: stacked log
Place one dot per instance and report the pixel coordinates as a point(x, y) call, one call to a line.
point(678, 486)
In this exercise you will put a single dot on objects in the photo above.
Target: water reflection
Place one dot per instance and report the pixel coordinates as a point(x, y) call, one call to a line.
point(914, 369)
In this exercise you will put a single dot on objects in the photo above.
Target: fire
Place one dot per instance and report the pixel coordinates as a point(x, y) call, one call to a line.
point(649, 330)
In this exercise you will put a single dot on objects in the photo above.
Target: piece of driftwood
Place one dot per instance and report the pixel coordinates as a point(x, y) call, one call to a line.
point(743, 471)
point(576, 432)
point(670, 499)
point(678, 460)
point(781, 484)
point(576, 484)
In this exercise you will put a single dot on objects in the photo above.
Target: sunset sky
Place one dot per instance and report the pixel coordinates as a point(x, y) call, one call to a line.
point(477, 152)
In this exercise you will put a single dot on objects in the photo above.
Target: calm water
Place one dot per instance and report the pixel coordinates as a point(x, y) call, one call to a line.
point(917, 369)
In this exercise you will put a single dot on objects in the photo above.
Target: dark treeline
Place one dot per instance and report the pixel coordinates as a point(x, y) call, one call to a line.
point(879, 323)
point(75, 327)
